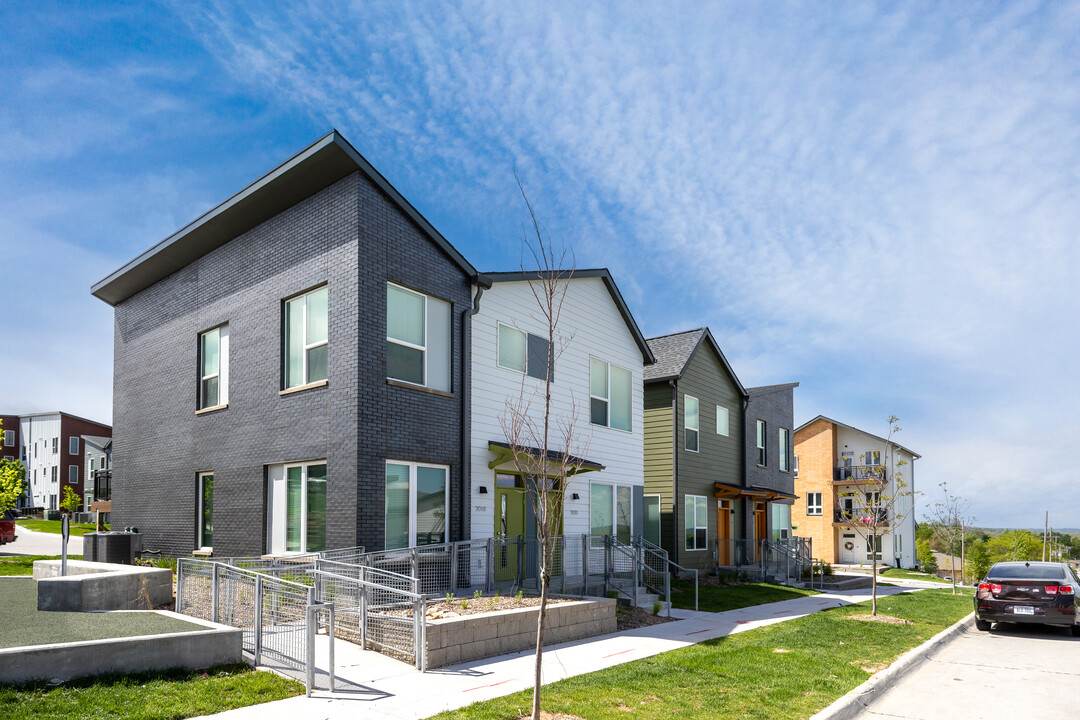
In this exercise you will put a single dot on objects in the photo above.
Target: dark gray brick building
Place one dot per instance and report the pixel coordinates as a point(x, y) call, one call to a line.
point(283, 360)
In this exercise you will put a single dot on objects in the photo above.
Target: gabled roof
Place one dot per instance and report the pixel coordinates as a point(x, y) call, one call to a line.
point(767, 389)
point(808, 423)
point(609, 282)
point(673, 354)
point(98, 441)
point(65, 414)
point(317, 166)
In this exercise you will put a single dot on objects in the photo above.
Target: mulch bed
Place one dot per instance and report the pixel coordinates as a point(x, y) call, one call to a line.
point(880, 618)
point(486, 603)
point(638, 618)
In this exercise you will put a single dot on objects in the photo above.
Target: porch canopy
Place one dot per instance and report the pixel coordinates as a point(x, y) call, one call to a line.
point(504, 454)
point(727, 491)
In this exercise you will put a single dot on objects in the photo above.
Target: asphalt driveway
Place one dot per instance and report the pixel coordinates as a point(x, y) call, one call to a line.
point(29, 542)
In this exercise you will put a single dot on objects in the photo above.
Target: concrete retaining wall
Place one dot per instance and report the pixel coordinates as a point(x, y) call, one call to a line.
point(217, 645)
point(92, 586)
point(472, 637)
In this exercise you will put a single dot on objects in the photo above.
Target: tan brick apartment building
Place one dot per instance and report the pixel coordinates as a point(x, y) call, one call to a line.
point(832, 460)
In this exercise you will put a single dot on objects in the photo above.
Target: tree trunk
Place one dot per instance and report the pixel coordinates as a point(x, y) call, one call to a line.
point(544, 580)
point(873, 588)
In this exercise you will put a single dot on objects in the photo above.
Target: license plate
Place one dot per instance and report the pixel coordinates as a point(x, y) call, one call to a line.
point(1023, 610)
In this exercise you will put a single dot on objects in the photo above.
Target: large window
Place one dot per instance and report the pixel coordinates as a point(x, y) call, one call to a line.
point(73, 445)
point(611, 510)
point(523, 352)
point(873, 547)
point(697, 522)
point(761, 443)
point(206, 510)
point(73, 475)
point(214, 368)
point(690, 423)
point(306, 338)
point(783, 448)
point(9, 438)
point(813, 503)
point(417, 338)
point(297, 507)
point(610, 395)
point(651, 531)
point(415, 504)
point(721, 420)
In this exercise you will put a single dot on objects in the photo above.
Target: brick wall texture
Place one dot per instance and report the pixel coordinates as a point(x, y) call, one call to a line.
point(353, 239)
point(815, 445)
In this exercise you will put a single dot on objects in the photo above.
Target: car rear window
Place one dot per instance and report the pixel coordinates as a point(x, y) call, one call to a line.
point(1025, 572)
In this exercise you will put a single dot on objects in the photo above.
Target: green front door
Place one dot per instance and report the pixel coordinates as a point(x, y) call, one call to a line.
point(509, 524)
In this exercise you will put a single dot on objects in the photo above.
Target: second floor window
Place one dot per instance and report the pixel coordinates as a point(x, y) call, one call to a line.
point(306, 344)
point(417, 338)
point(73, 474)
point(761, 443)
point(214, 367)
point(9, 438)
point(73, 446)
point(813, 503)
point(690, 423)
point(609, 391)
point(784, 449)
point(55, 445)
point(721, 420)
point(524, 352)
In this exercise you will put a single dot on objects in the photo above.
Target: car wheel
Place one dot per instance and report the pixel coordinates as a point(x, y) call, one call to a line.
point(1075, 630)
point(984, 625)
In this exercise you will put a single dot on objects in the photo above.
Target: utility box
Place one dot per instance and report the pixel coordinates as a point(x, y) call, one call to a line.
point(112, 546)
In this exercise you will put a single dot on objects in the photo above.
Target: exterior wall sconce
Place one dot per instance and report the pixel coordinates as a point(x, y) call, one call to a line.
point(575, 496)
point(483, 489)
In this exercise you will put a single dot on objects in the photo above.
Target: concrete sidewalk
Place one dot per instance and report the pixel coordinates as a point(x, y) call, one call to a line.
point(371, 685)
point(29, 542)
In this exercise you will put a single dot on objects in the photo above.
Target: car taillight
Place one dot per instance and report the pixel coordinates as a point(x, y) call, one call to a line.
point(984, 586)
point(1065, 589)
point(995, 588)
point(1051, 589)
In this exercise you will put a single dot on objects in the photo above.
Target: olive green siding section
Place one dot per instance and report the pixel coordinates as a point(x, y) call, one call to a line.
point(719, 457)
point(658, 453)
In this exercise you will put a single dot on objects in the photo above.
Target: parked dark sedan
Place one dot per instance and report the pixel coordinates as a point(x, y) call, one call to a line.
point(1043, 593)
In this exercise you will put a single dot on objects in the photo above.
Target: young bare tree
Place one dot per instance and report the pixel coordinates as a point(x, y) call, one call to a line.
point(544, 443)
point(949, 520)
point(883, 500)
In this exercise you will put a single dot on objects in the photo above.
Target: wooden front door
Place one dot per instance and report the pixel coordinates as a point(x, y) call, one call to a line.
point(723, 532)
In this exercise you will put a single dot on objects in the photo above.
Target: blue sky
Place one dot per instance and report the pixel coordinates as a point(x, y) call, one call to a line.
point(881, 203)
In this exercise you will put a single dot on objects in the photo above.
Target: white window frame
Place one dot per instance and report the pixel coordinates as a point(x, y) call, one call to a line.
point(696, 429)
point(306, 380)
point(723, 412)
point(695, 527)
point(607, 400)
point(796, 467)
point(73, 474)
point(199, 521)
point(284, 514)
point(762, 458)
point(425, 349)
point(814, 504)
point(413, 466)
point(73, 445)
point(615, 487)
point(525, 351)
point(9, 438)
point(223, 367)
point(784, 440)
point(405, 343)
point(872, 541)
point(55, 445)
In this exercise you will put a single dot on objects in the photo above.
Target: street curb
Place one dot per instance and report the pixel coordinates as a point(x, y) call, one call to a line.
point(855, 702)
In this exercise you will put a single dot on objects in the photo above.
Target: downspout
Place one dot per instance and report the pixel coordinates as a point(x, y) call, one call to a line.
point(481, 283)
point(675, 469)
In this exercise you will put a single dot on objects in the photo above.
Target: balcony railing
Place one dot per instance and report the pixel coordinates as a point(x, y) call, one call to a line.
point(861, 516)
point(860, 473)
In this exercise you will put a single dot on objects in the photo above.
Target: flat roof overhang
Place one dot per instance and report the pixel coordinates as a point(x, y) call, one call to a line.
point(504, 454)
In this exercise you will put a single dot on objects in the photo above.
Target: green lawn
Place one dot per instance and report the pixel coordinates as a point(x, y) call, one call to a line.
point(712, 598)
point(24, 564)
point(53, 526)
point(23, 624)
point(785, 671)
point(913, 575)
point(168, 695)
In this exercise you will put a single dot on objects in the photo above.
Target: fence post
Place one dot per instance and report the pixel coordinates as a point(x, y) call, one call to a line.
point(214, 592)
point(585, 563)
point(521, 561)
point(309, 635)
point(453, 566)
point(637, 568)
point(179, 606)
point(415, 561)
point(363, 615)
point(490, 574)
point(258, 618)
point(333, 614)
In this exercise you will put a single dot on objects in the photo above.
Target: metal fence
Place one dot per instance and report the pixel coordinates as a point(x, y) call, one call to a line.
point(737, 554)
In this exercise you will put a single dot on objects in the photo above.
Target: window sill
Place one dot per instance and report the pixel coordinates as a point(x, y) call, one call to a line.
point(215, 408)
point(628, 432)
point(203, 552)
point(302, 388)
point(421, 388)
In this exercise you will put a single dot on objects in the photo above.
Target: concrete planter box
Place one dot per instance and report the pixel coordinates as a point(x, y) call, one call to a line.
point(474, 637)
point(92, 586)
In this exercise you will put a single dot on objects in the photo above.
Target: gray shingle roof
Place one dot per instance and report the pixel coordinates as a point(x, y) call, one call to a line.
point(766, 389)
point(672, 352)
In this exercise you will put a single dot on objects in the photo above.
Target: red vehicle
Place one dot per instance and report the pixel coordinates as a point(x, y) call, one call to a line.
point(7, 528)
point(1040, 593)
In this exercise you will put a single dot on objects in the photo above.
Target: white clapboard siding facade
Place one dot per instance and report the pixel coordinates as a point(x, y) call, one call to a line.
point(594, 323)
point(45, 456)
point(898, 543)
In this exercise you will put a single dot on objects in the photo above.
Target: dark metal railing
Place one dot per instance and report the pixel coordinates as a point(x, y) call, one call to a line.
point(860, 473)
point(860, 516)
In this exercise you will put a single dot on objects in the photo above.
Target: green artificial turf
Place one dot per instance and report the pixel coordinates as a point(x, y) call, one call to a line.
point(785, 671)
point(24, 564)
point(53, 526)
point(714, 598)
point(23, 624)
point(167, 695)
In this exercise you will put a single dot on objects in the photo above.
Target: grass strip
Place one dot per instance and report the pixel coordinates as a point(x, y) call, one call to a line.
point(170, 694)
point(53, 527)
point(913, 575)
point(785, 671)
point(718, 598)
point(24, 564)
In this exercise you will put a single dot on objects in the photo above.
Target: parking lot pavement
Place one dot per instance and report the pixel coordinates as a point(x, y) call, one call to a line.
point(1012, 671)
point(29, 542)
